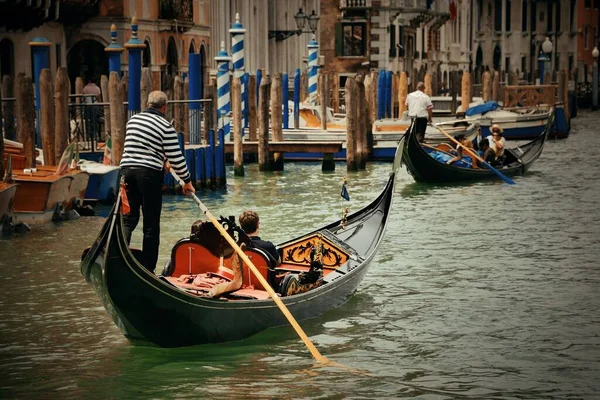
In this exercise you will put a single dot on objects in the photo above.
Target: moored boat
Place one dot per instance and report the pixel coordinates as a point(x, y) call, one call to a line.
point(456, 127)
point(422, 164)
point(319, 271)
point(518, 123)
point(102, 186)
point(7, 195)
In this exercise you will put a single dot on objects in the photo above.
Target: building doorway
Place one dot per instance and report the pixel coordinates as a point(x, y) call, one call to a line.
point(88, 60)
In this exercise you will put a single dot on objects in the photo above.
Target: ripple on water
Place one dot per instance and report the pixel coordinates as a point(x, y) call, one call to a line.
point(481, 290)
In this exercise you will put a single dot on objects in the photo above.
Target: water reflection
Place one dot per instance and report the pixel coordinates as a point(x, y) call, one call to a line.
point(482, 290)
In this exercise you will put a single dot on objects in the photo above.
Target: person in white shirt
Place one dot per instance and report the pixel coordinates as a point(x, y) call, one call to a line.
point(420, 109)
point(497, 144)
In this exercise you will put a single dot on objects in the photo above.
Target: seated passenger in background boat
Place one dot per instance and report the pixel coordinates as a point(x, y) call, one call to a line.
point(484, 145)
point(250, 223)
point(496, 144)
point(463, 156)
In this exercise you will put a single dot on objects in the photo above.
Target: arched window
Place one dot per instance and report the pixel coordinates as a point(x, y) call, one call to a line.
point(147, 54)
point(172, 57)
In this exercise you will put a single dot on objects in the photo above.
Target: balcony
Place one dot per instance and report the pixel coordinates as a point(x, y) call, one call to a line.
point(406, 5)
point(355, 4)
point(176, 9)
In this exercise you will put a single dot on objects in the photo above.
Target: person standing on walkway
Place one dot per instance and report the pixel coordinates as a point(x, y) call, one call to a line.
point(150, 140)
point(420, 110)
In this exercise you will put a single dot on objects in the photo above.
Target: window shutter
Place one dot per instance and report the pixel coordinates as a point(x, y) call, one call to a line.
point(339, 38)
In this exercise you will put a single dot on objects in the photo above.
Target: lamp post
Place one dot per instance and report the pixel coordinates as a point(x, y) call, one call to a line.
point(545, 58)
point(301, 19)
point(595, 54)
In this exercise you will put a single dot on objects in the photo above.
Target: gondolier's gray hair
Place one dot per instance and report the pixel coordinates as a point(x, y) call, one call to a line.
point(157, 99)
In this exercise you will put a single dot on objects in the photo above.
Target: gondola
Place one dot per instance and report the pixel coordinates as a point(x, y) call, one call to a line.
point(425, 168)
point(319, 271)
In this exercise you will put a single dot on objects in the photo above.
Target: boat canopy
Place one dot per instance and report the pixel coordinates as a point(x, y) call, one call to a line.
point(482, 108)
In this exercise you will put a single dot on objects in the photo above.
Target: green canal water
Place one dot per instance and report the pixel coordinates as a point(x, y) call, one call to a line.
point(481, 290)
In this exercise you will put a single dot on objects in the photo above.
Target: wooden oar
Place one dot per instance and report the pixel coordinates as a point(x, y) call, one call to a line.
point(313, 350)
point(481, 160)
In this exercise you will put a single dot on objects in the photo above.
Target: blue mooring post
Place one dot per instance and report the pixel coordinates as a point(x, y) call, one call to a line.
point(114, 52)
point(220, 159)
point(286, 98)
point(199, 166)
point(541, 62)
point(381, 94)
point(195, 87)
point(297, 98)
point(134, 47)
point(41, 56)
point(209, 159)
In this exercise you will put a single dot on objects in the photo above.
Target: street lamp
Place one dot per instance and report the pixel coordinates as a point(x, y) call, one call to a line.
point(595, 54)
point(544, 57)
point(301, 18)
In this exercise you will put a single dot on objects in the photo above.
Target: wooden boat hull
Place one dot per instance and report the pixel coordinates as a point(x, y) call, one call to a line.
point(7, 195)
point(77, 188)
point(515, 126)
point(150, 311)
point(424, 168)
point(39, 195)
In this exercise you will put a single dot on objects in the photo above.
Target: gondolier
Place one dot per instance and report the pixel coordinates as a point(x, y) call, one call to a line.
point(150, 140)
point(420, 109)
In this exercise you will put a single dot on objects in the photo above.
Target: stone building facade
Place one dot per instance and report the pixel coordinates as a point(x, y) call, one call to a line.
point(272, 41)
point(80, 30)
point(508, 35)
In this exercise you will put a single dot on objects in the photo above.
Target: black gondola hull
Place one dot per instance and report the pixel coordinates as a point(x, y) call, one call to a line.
point(151, 311)
point(424, 168)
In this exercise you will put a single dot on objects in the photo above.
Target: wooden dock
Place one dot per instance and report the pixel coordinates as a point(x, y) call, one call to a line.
point(289, 146)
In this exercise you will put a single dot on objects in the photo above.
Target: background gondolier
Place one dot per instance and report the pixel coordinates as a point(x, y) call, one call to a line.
point(150, 140)
point(420, 109)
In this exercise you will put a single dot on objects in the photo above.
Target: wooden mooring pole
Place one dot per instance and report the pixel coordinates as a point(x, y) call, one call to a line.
point(361, 117)
point(351, 124)
point(47, 116)
point(26, 120)
point(252, 99)
point(236, 108)
point(62, 125)
point(263, 124)
point(105, 99)
point(276, 120)
point(117, 116)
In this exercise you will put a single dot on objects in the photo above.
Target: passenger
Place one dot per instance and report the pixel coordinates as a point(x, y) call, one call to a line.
point(463, 156)
point(484, 145)
point(497, 144)
point(250, 223)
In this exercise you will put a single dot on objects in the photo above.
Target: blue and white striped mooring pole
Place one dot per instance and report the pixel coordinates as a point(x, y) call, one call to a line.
point(237, 32)
point(223, 90)
point(313, 69)
point(134, 46)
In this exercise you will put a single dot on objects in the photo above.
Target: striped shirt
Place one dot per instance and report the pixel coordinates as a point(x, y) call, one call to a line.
point(149, 140)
